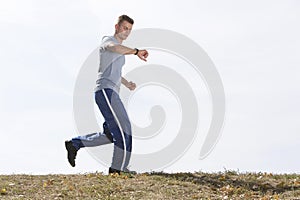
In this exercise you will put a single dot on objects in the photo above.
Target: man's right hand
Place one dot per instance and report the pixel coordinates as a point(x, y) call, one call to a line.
point(143, 54)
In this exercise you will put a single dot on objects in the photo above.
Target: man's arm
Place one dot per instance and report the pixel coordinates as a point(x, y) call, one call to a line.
point(121, 49)
point(129, 84)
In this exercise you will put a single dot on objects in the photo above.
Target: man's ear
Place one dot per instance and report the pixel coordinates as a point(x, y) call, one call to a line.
point(117, 27)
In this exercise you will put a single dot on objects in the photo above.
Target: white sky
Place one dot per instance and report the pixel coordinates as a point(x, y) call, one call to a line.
point(255, 46)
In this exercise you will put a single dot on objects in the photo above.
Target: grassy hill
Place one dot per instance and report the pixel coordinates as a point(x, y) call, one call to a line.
point(225, 185)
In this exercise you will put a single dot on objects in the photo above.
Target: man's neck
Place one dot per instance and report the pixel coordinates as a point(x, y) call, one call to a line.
point(119, 39)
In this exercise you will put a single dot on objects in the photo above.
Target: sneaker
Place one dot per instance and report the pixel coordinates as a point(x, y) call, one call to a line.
point(126, 171)
point(113, 171)
point(72, 152)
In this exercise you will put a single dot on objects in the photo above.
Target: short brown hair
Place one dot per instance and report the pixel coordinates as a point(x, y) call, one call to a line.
point(124, 18)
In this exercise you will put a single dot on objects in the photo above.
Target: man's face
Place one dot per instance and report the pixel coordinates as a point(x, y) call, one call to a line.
point(123, 30)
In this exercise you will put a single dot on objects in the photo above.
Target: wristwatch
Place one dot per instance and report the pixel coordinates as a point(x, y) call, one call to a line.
point(137, 51)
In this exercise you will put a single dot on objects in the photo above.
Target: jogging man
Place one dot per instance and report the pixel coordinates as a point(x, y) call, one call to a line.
point(117, 127)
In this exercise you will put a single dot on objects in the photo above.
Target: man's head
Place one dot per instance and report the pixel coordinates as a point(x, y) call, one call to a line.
point(123, 27)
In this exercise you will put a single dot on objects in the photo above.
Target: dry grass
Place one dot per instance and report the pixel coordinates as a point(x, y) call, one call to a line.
point(225, 185)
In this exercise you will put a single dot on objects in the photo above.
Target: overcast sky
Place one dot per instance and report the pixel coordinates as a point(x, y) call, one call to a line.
point(254, 45)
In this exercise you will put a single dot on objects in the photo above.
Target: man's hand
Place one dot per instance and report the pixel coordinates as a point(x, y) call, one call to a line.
point(129, 84)
point(143, 54)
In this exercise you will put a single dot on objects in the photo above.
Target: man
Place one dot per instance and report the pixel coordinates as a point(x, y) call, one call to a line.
point(117, 127)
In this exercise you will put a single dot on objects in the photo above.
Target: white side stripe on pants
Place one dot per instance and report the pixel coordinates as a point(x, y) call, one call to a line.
point(119, 125)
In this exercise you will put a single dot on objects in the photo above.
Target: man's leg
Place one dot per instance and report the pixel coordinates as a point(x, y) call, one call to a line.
point(118, 123)
point(90, 140)
point(125, 125)
point(94, 139)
